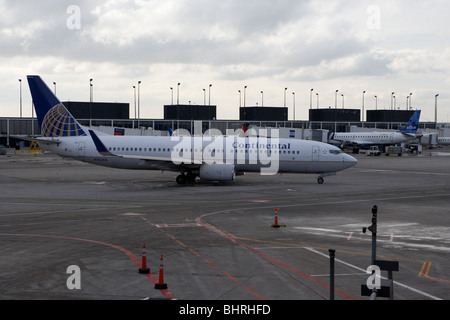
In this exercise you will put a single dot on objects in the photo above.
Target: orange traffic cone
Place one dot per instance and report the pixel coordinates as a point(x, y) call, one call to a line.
point(161, 285)
point(144, 268)
point(276, 225)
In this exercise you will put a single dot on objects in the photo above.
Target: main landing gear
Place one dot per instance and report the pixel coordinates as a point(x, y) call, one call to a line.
point(186, 178)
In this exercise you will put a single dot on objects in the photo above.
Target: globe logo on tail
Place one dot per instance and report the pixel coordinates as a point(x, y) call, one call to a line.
point(58, 122)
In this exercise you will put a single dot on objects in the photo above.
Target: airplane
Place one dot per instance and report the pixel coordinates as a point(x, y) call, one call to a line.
point(443, 141)
point(362, 140)
point(218, 158)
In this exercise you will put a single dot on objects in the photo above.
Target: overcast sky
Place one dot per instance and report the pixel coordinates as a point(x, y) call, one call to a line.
point(348, 45)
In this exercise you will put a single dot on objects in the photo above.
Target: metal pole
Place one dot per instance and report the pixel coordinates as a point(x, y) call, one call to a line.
point(332, 255)
point(20, 84)
point(373, 229)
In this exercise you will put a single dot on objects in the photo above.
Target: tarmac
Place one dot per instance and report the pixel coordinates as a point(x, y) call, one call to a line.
point(74, 231)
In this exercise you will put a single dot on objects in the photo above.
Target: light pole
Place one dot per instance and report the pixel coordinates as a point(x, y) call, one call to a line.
point(54, 84)
point(317, 100)
point(209, 98)
point(410, 100)
point(293, 95)
point(285, 89)
point(240, 98)
point(335, 99)
point(178, 93)
point(435, 109)
point(392, 100)
point(376, 102)
point(262, 98)
point(171, 90)
point(20, 96)
point(204, 97)
point(91, 94)
point(134, 89)
point(245, 93)
point(139, 102)
point(342, 101)
point(363, 105)
point(91, 90)
point(310, 99)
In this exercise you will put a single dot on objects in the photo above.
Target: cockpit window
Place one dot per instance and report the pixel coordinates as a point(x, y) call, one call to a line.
point(335, 151)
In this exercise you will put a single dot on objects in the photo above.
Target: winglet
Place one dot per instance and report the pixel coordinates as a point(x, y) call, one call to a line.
point(101, 148)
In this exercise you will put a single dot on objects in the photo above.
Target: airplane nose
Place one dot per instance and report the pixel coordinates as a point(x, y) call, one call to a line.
point(350, 160)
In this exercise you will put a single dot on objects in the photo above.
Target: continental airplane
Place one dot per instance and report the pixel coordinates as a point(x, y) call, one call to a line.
point(358, 140)
point(218, 158)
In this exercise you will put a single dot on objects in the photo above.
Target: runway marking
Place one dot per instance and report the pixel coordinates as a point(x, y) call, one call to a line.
point(235, 239)
point(179, 225)
point(424, 273)
point(165, 292)
point(270, 258)
point(231, 277)
point(204, 259)
point(425, 269)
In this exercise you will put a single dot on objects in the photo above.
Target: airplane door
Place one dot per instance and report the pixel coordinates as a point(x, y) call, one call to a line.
point(315, 153)
point(81, 149)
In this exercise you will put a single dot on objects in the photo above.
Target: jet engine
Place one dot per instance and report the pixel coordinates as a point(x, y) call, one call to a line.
point(217, 172)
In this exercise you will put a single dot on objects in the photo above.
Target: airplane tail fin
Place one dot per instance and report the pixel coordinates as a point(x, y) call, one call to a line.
point(53, 117)
point(413, 124)
point(245, 127)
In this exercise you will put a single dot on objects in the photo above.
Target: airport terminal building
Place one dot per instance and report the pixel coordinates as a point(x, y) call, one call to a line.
point(117, 115)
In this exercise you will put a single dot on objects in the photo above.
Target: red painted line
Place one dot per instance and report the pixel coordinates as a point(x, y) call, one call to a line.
point(181, 243)
point(254, 293)
point(231, 277)
point(210, 263)
point(166, 293)
point(197, 254)
point(216, 267)
point(288, 267)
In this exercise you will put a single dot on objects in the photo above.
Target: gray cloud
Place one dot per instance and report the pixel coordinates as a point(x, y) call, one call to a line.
point(259, 40)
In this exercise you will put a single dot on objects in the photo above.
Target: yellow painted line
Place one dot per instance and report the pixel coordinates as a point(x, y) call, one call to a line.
point(425, 269)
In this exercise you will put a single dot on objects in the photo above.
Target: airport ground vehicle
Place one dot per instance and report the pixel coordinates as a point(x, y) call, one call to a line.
point(374, 151)
point(395, 150)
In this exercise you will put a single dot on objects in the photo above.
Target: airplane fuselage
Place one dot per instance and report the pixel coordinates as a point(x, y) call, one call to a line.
point(444, 141)
point(167, 153)
point(373, 138)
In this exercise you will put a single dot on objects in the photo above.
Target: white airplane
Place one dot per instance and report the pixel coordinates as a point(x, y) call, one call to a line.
point(443, 141)
point(218, 158)
point(358, 140)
